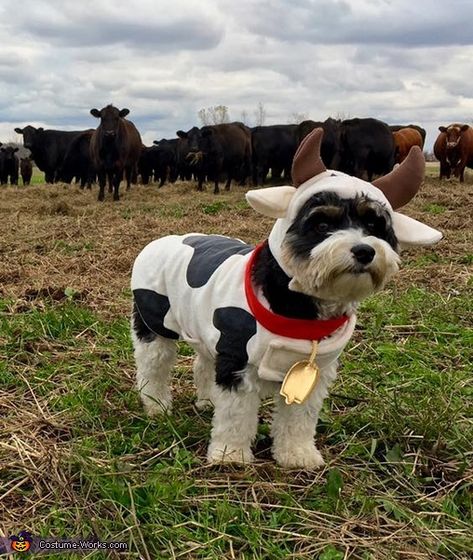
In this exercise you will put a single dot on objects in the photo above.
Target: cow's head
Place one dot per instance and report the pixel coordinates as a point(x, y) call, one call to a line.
point(199, 142)
point(337, 237)
point(193, 137)
point(109, 119)
point(9, 152)
point(31, 135)
point(164, 143)
point(453, 134)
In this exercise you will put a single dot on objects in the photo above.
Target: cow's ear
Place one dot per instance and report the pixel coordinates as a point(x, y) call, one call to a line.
point(442, 129)
point(412, 232)
point(464, 127)
point(19, 130)
point(40, 129)
point(156, 142)
point(95, 113)
point(181, 134)
point(272, 201)
point(124, 113)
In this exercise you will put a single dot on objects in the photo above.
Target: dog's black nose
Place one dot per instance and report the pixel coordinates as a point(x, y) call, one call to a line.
point(363, 253)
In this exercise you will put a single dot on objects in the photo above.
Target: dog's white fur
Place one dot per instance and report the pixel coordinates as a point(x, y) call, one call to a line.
point(330, 274)
point(235, 419)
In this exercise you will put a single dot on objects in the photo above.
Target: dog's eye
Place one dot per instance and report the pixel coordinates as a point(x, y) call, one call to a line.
point(321, 223)
point(375, 223)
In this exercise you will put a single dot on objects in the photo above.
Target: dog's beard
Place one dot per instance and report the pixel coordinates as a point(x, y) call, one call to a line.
point(332, 273)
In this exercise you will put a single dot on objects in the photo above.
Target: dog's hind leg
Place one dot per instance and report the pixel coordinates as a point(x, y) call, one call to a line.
point(154, 361)
point(204, 376)
point(234, 425)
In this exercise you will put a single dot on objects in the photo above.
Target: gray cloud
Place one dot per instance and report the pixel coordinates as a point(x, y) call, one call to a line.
point(402, 23)
point(142, 25)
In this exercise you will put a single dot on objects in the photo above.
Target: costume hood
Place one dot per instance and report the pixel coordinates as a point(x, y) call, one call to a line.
point(310, 177)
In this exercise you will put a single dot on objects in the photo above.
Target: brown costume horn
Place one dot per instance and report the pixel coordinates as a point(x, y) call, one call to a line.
point(402, 184)
point(307, 161)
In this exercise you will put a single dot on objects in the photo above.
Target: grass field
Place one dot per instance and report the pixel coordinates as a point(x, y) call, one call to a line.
point(78, 456)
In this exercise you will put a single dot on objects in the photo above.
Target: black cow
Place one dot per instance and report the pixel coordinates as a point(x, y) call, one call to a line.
point(219, 150)
point(273, 147)
point(158, 162)
point(366, 146)
point(396, 127)
point(115, 147)
point(47, 147)
point(184, 168)
point(146, 164)
point(26, 170)
point(330, 141)
point(166, 160)
point(77, 162)
point(9, 165)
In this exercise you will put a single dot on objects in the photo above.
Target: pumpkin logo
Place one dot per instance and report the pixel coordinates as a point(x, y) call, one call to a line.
point(21, 542)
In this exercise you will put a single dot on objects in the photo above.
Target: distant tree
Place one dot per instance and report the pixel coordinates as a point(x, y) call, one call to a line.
point(244, 117)
point(341, 116)
point(260, 115)
point(297, 118)
point(214, 115)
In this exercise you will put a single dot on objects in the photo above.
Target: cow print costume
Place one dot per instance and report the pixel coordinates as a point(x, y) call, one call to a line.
point(201, 289)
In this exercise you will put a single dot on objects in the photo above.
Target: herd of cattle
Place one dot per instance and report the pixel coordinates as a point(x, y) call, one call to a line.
point(230, 152)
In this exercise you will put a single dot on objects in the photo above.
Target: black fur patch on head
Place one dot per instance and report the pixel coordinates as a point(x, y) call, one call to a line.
point(325, 213)
point(210, 251)
point(236, 326)
point(149, 310)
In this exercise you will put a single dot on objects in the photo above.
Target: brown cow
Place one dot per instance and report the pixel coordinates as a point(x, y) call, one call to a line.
point(26, 169)
point(440, 152)
point(115, 147)
point(404, 139)
point(454, 149)
point(420, 130)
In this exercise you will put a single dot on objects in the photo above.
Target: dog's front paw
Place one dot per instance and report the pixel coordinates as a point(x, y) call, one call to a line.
point(156, 407)
point(306, 458)
point(226, 454)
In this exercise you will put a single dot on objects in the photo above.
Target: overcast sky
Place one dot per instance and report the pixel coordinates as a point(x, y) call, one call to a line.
point(402, 61)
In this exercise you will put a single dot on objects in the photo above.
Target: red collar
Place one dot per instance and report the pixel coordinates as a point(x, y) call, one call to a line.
point(302, 329)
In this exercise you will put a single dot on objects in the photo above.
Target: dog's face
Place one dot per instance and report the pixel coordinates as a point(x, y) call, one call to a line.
point(340, 249)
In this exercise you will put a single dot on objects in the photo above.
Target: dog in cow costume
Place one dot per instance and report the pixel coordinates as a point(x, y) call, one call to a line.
point(251, 313)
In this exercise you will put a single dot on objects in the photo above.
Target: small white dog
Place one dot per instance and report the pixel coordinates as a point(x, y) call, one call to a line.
point(250, 314)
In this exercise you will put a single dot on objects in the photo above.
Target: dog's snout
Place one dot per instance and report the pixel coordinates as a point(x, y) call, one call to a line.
point(363, 253)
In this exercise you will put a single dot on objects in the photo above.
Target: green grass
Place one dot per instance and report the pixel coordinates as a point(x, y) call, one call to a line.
point(396, 433)
point(434, 208)
point(37, 177)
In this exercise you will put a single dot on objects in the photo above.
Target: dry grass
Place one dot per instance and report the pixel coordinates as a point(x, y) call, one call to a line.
point(59, 236)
